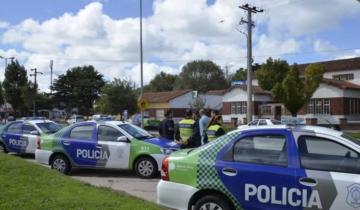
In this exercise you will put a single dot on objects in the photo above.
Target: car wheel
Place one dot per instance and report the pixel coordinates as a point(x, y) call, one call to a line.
point(61, 164)
point(3, 148)
point(212, 202)
point(146, 167)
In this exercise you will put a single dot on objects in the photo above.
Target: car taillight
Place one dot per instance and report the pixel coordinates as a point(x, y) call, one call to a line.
point(38, 146)
point(165, 169)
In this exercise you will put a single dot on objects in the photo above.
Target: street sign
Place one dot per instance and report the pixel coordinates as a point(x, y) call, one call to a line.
point(143, 104)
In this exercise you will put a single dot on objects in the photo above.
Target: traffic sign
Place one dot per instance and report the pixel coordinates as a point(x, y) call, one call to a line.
point(143, 104)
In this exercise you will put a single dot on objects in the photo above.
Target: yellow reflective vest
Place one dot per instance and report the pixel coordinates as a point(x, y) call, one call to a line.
point(186, 127)
point(211, 132)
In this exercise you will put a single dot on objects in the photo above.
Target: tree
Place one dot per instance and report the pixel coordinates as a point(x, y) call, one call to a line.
point(2, 98)
point(15, 80)
point(240, 75)
point(202, 76)
point(162, 82)
point(117, 97)
point(28, 93)
point(288, 85)
point(78, 88)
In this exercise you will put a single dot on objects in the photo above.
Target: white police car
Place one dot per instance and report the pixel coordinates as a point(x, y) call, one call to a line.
point(278, 167)
point(22, 136)
point(105, 145)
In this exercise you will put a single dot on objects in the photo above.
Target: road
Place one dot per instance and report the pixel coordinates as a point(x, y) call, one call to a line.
point(124, 181)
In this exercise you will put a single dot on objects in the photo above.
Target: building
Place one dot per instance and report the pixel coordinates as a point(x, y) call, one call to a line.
point(335, 102)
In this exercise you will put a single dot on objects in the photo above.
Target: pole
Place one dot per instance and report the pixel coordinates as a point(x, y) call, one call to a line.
point(51, 75)
point(35, 87)
point(141, 62)
point(250, 25)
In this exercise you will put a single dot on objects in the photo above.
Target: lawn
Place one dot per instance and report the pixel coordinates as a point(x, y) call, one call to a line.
point(25, 185)
point(356, 135)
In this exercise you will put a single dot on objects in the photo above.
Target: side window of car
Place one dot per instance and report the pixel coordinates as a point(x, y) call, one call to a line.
point(107, 133)
point(254, 123)
point(83, 132)
point(14, 128)
point(262, 122)
point(27, 128)
point(327, 155)
point(264, 149)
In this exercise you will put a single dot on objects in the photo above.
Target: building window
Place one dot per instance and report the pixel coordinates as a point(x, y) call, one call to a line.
point(343, 77)
point(160, 113)
point(319, 106)
point(354, 106)
point(266, 110)
point(238, 107)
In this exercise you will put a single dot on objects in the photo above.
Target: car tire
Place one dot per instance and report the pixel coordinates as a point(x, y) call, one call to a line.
point(61, 164)
point(3, 148)
point(146, 167)
point(212, 202)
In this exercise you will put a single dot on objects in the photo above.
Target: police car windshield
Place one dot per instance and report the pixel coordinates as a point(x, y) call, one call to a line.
point(135, 131)
point(49, 127)
point(351, 138)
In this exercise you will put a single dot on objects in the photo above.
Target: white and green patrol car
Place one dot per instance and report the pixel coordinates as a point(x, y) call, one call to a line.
point(276, 167)
point(108, 145)
point(22, 136)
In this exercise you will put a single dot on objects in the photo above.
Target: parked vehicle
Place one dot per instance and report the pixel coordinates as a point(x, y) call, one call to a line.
point(273, 167)
point(104, 144)
point(261, 122)
point(21, 136)
point(75, 118)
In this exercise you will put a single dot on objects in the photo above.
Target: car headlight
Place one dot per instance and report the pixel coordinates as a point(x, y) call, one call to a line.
point(166, 151)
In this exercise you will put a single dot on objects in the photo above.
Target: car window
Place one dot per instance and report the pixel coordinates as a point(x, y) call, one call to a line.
point(324, 154)
point(83, 132)
point(255, 122)
point(275, 122)
point(135, 131)
point(49, 127)
point(27, 128)
point(262, 122)
point(14, 128)
point(269, 150)
point(107, 133)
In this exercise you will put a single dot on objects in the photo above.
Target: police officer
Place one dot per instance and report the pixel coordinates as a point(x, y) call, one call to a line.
point(215, 130)
point(185, 128)
point(166, 128)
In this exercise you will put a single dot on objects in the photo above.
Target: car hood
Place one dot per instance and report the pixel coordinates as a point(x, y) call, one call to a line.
point(163, 143)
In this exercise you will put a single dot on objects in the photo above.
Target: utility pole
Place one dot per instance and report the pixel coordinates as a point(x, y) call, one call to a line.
point(51, 75)
point(250, 25)
point(141, 61)
point(36, 72)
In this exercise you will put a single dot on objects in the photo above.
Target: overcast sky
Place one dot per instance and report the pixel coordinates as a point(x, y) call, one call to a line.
point(106, 34)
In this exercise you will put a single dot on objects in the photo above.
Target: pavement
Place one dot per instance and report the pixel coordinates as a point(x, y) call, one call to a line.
point(123, 181)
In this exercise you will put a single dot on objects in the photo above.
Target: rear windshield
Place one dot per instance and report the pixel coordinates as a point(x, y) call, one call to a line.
point(49, 127)
point(351, 138)
point(135, 131)
point(275, 122)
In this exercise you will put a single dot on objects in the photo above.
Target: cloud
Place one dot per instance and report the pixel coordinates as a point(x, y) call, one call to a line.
point(323, 46)
point(4, 24)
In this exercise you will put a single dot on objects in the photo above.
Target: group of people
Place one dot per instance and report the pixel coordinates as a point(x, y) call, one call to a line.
point(194, 130)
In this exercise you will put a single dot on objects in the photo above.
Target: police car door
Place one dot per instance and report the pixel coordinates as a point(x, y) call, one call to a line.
point(30, 134)
point(258, 171)
point(13, 139)
point(329, 172)
point(80, 144)
point(118, 152)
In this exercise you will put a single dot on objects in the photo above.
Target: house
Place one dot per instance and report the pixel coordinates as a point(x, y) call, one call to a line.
point(335, 102)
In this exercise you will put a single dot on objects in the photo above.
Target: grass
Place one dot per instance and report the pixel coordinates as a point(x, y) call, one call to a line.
point(356, 135)
point(25, 185)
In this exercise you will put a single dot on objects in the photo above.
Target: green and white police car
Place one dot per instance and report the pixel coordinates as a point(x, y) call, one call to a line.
point(22, 136)
point(107, 145)
point(276, 167)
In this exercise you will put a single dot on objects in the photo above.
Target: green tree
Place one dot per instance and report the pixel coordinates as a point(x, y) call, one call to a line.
point(201, 76)
point(116, 97)
point(2, 98)
point(78, 88)
point(28, 93)
point(15, 80)
point(162, 82)
point(288, 85)
point(240, 74)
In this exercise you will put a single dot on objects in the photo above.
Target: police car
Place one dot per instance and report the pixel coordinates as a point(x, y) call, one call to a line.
point(21, 136)
point(277, 167)
point(105, 144)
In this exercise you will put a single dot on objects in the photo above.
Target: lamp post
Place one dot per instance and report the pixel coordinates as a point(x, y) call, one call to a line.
point(6, 58)
point(141, 62)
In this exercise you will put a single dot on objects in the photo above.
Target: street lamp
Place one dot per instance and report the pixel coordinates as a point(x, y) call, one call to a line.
point(141, 62)
point(6, 58)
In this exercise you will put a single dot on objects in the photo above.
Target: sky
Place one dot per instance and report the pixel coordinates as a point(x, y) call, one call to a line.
point(105, 34)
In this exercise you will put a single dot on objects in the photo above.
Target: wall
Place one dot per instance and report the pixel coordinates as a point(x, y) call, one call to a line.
point(356, 73)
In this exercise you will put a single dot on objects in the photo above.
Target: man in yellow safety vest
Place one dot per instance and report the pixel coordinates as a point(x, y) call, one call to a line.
point(215, 130)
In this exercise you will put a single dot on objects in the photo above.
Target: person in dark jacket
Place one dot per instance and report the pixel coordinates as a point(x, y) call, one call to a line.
point(195, 139)
point(167, 127)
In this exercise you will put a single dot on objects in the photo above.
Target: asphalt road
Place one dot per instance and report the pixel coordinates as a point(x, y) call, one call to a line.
point(124, 181)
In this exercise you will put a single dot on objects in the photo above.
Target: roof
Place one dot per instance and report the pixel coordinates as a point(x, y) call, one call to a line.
point(337, 65)
point(161, 97)
point(256, 89)
point(216, 92)
point(341, 84)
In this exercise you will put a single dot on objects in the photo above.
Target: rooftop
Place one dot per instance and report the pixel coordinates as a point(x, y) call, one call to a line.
point(162, 97)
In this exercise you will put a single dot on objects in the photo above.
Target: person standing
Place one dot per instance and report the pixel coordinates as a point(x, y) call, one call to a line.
point(167, 128)
point(215, 130)
point(185, 128)
point(195, 138)
point(203, 124)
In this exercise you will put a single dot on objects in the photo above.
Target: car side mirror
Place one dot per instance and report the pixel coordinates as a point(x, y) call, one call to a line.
point(123, 139)
point(36, 133)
